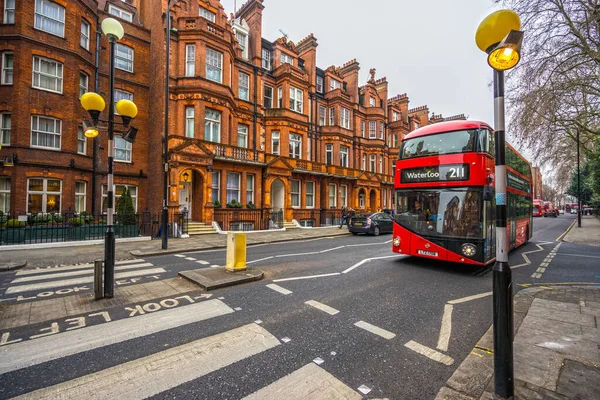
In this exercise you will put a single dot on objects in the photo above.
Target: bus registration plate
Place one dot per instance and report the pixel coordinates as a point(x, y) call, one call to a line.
point(427, 253)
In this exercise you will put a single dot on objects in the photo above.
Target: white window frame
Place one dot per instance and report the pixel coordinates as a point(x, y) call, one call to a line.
point(310, 194)
point(345, 117)
point(295, 145)
point(329, 154)
point(38, 75)
point(233, 192)
point(118, 191)
point(381, 130)
point(189, 121)
point(334, 84)
point(211, 121)
point(124, 55)
point(84, 81)
point(280, 97)
point(319, 84)
point(296, 192)
point(242, 38)
point(396, 116)
point(286, 59)
point(9, 11)
point(322, 116)
point(243, 135)
point(80, 197)
point(214, 63)
point(371, 101)
point(81, 141)
point(364, 162)
point(41, 19)
point(120, 13)
point(361, 200)
point(267, 59)
point(85, 34)
point(331, 116)
point(362, 128)
point(206, 14)
point(332, 195)
point(270, 103)
point(44, 193)
point(215, 186)
point(275, 142)
point(123, 150)
point(381, 164)
point(344, 156)
point(190, 59)
point(372, 163)
point(250, 188)
point(5, 194)
point(243, 86)
point(6, 71)
point(5, 128)
point(55, 135)
point(122, 95)
point(372, 129)
point(296, 99)
point(416, 124)
point(344, 195)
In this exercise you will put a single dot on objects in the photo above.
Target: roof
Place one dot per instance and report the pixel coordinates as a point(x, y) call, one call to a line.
point(447, 126)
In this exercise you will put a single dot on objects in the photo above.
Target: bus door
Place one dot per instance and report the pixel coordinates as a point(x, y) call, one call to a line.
point(489, 224)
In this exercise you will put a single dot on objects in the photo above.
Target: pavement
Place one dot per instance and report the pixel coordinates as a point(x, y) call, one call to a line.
point(556, 343)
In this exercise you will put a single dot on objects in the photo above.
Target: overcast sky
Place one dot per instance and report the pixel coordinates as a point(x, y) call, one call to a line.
point(425, 48)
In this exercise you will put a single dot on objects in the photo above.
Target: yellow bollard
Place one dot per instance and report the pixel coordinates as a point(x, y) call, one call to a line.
point(236, 252)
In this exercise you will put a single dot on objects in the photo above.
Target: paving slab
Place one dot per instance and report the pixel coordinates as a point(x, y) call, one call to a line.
point(579, 381)
point(214, 278)
point(564, 316)
point(555, 305)
point(551, 326)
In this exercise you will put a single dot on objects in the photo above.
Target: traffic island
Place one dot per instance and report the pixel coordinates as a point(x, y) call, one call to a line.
point(214, 278)
point(12, 265)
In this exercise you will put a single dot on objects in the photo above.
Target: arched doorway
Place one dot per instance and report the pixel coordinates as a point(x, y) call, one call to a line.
point(190, 194)
point(277, 195)
point(373, 200)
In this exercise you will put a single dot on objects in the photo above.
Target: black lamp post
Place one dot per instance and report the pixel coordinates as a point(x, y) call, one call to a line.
point(94, 104)
point(500, 37)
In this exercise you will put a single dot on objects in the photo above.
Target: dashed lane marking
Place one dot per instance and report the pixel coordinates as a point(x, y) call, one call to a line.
point(375, 330)
point(279, 289)
point(322, 307)
point(180, 255)
point(429, 353)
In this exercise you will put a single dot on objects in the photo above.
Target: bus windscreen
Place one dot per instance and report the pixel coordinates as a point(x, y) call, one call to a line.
point(442, 143)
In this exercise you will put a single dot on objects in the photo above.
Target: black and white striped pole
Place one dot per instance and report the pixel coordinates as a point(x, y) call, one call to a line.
point(500, 37)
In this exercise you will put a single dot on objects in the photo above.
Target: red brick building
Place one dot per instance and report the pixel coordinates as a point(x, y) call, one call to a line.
point(250, 120)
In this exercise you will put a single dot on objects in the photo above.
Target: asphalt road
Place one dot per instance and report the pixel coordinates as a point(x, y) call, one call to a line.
point(430, 320)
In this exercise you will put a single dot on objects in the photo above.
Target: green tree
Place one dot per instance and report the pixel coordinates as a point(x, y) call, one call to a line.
point(586, 178)
point(125, 210)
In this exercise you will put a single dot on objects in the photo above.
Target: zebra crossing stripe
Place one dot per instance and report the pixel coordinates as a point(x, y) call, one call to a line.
point(33, 352)
point(306, 383)
point(72, 267)
point(79, 281)
point(151, 375)
point(75, 273)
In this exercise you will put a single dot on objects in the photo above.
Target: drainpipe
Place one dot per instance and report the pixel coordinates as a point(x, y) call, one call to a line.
point(96, 142)
point(317, 127)
point(255, 115)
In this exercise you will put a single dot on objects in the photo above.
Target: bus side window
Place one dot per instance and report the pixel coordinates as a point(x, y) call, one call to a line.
point(490, 146)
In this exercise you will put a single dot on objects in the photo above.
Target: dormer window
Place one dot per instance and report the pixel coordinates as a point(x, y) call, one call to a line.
point(372, 101)
point(396, 116)
point(209, 15)
point(333, 84)
point(117, 12)
point(266, 59)
point(286, 59)
point(242, 39)
point(319, 84)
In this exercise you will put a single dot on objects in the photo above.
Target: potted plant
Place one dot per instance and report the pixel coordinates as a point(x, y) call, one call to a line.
point(234, 204)
point(126, 220)
point(251, 205)
point(217, 204)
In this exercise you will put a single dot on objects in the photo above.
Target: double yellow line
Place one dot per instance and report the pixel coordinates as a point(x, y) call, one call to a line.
point(558, 239)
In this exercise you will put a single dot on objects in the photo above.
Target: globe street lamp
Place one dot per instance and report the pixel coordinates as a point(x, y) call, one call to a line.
point(499, 35)
point(94, 104)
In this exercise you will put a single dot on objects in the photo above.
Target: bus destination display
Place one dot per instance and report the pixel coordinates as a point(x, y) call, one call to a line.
point(436, 173)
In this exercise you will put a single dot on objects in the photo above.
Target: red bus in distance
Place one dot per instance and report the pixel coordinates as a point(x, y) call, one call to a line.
point(537, 208)
point(445, 197)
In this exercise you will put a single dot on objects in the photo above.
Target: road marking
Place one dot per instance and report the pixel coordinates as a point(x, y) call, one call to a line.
point(190, 259)
point(180, 255)
point(576, 255)
point(536, 275)
point(375, 329)
point(78, 281)
point(202, 262)
point(33, 352)
point(446, 329)
point(358, 264)
point(215, 266)
point(308, 382)
point(429, 353)
point(151, 375)
point(469, 298)
point(524, 255)
point(74, 273)
point(261, 259)
point(297, 254)
point(279, 289)
point(335, 248)
point(322, 307)
point(366, 244)
point(72, 267)
point(558, 239)
point(305, 277)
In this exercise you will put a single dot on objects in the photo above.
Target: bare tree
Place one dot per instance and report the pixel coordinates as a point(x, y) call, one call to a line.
point(555, 91)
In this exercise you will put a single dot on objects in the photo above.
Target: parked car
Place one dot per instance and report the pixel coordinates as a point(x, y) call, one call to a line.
point(371, 223)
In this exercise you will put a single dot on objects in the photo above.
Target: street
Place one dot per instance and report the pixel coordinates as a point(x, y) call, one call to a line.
point(344, 310)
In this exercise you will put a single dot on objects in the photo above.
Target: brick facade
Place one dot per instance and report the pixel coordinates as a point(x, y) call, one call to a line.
point(309, 138)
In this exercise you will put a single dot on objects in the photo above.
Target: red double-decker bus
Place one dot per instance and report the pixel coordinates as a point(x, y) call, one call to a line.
point(537, 208)
point(445, 197)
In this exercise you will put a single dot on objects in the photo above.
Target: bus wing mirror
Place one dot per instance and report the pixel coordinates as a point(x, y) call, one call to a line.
point(487, 193)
